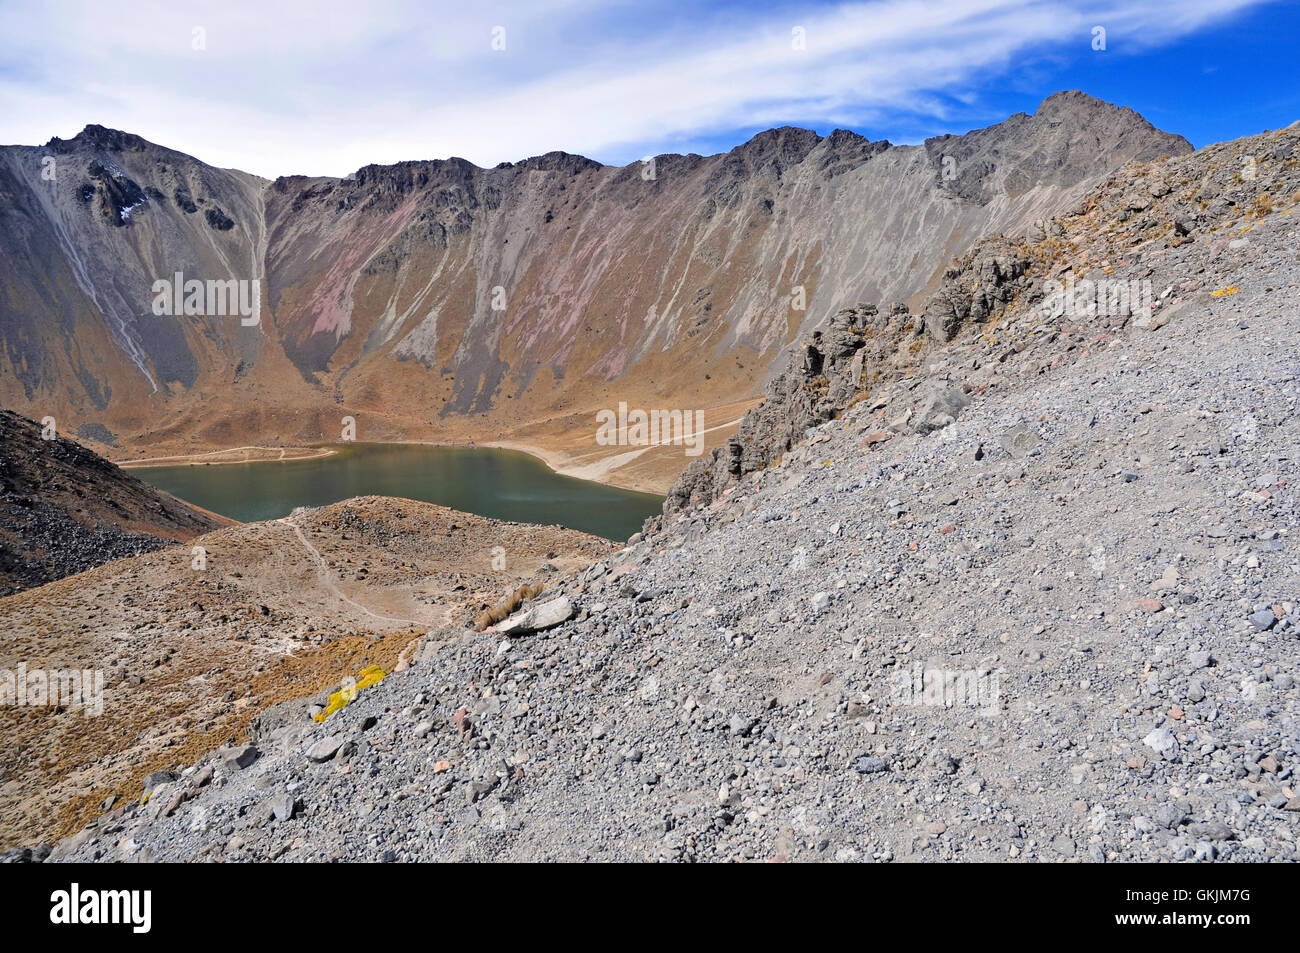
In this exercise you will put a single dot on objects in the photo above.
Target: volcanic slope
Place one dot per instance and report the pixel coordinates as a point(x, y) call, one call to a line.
point(435, 300)
point(1083, 525)
point(64, 509)
point(191, 653)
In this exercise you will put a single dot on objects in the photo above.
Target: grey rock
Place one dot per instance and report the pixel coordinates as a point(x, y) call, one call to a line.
point(238, 758)
point(325, 749)
point(1163, 742)
point(544, 616)
point(284, 807)
point(1170, 815)
point(1263, 620)
point(1019, 442)
point(158, 778)
point(740, 725)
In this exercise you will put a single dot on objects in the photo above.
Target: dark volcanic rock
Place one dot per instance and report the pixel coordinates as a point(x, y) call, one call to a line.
point(64, 509)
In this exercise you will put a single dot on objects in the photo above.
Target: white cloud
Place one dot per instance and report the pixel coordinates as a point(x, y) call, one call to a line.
point(324, 87)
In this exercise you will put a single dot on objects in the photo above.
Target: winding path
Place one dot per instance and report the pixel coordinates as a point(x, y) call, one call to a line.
point(327, 577)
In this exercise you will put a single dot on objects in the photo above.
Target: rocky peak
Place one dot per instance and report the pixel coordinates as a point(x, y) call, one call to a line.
point(778, 148)
point(565, 162)
point(99, 137)
point(1086, 112)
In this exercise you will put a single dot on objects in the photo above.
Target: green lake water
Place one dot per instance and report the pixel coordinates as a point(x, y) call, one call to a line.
point(502, 484)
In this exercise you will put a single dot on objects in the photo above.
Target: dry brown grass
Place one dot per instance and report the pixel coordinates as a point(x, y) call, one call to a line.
point(508, 605)
point(288, 677)
point(210, 660)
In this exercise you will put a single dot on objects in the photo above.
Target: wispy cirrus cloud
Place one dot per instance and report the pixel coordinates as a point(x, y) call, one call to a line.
point(323, 88)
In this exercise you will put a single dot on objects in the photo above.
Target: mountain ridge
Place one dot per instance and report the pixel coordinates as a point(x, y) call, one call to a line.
point(434, 299)
point(1050, 107)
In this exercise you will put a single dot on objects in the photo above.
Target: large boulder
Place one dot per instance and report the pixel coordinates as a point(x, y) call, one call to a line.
point(537, 618)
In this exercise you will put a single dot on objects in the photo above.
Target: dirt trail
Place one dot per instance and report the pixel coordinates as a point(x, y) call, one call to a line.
point(247, 454)
point(327, 578)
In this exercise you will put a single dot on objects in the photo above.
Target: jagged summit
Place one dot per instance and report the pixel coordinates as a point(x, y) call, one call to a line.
point(557, 161)
point(789, 140)
point(101, 137)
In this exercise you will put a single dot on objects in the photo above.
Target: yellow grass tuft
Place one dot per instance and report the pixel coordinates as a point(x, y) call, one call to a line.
point(370, 675)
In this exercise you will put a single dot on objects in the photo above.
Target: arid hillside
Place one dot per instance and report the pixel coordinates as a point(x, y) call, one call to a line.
point(277, 612)
point(64, 509)
point(1011, 577)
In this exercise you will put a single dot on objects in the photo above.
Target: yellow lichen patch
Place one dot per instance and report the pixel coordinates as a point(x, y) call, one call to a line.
point(370, 675)
point(1224, 292)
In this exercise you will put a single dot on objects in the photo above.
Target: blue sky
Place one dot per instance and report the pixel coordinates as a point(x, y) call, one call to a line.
point(323, 87)
point(1233, 78)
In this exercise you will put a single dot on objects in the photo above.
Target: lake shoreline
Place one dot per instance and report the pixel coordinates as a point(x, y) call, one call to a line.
point(251, 455)
point(497, 482)
point(562, 463)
